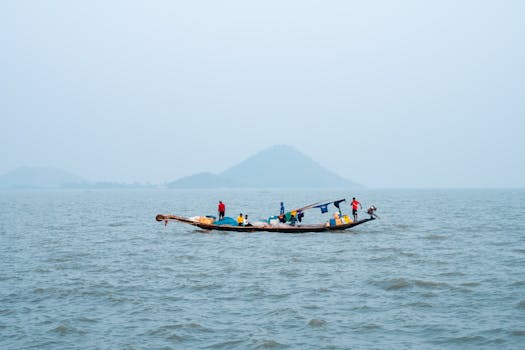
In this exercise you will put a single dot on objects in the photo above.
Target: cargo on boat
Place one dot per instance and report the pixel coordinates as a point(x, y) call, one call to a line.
point(289, 222)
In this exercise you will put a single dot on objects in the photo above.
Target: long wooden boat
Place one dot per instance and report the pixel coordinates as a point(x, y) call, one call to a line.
point(263, 228)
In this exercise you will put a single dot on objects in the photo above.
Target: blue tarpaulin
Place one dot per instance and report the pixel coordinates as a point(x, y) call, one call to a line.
point(227, 221)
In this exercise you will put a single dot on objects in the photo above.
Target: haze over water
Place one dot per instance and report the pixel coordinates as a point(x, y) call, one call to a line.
point(391, 94)
point(93, 270)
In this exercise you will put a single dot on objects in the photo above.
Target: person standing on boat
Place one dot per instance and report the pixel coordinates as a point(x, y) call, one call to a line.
point(355, 205)
point(282, 209)
point(240, 220)
point(221, 209)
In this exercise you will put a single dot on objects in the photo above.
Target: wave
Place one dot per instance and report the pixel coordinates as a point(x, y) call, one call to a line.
point(470, 284)
point(430, 284)
point(117, 224)
point(435, 237)
point(392, 284)
point(269, 344)
point(518, 284)
point(228, 344)
point(403, 283)
point(387, 258)
point(370, 326)
point(316, 322)
point(64, 330)
point(429, 295)
point(462, 340)
point(418, 304)
point(171, 331)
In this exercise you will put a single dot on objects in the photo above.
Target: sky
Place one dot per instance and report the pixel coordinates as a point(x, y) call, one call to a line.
point(403, 94)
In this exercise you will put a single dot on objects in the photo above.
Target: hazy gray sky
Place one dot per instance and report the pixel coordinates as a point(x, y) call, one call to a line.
point(385, 93)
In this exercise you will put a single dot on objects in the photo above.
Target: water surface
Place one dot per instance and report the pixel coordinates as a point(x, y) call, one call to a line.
point(93, 270)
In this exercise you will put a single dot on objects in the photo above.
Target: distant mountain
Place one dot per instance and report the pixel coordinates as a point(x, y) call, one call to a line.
point(277, 166)
point(202, 180)
point(107, 185)
point(38, 177)
point(49, 178)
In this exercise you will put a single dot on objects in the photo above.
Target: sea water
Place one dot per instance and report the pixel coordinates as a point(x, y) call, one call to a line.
point(94, 270)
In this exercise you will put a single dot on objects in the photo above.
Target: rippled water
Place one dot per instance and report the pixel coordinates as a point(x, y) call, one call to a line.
point(93, 270)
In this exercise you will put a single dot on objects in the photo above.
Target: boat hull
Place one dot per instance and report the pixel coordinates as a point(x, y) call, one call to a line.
point(269, 228)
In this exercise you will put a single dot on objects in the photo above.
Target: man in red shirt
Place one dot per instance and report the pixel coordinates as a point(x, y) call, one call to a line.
point(355, 205)
point(221, 209)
